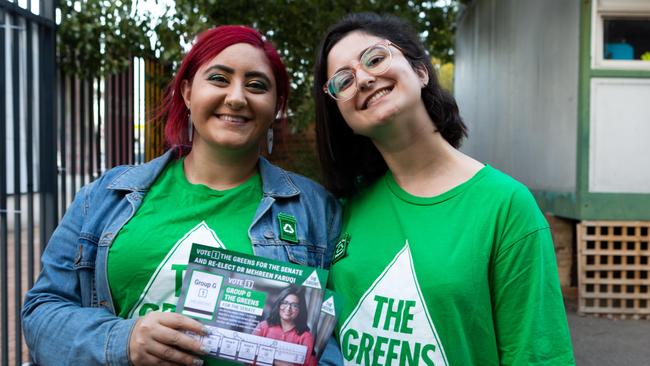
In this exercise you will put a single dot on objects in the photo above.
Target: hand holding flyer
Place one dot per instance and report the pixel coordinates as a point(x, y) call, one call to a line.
point(257, 310)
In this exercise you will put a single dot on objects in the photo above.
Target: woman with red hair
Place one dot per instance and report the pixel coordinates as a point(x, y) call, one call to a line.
point(113, 268)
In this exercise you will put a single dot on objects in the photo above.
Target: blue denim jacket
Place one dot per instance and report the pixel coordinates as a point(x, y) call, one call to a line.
point(69, 317)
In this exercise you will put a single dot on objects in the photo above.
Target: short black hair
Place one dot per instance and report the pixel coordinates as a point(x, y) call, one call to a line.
point(301, 319)
point(350, 161)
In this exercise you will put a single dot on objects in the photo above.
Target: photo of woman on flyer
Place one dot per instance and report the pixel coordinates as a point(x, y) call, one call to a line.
point(287, 321)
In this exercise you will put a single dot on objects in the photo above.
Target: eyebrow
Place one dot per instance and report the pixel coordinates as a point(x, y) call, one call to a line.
point(358, 58)
point(230, 70)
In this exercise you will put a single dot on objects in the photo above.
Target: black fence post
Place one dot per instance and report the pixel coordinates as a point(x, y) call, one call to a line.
point(47, 132)
point(17, 191)
point(4, 313)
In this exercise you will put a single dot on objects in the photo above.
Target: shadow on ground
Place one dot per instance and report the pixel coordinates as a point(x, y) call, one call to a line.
point(608, 342)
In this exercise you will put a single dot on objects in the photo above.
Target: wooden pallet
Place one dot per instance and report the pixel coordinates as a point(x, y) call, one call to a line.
point(614, 268)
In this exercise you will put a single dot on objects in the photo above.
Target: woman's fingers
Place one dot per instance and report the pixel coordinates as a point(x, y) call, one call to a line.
point(181, 322)
point(177, 339)
point(173, 355)
point(159, 338)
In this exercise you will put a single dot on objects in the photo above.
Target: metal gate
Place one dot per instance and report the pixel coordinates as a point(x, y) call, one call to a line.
point(27, 157)
point(57, 133)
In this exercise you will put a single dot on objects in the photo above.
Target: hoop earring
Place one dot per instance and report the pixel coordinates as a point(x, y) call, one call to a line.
point(269, 140)
point(190, 127)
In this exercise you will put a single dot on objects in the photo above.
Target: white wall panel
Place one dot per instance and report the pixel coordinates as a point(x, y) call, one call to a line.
point(619, 159)
point(517, 85)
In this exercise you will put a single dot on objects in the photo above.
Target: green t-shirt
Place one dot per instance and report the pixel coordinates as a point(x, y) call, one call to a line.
point(148, 257)
point(464, 278)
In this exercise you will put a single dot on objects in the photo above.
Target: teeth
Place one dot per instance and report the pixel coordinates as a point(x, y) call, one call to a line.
point(227, 117)
point(377, 95)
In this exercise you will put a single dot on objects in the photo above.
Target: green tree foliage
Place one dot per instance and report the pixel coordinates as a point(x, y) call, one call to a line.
point(98, 36)
point(101, 35)
point(445, 73)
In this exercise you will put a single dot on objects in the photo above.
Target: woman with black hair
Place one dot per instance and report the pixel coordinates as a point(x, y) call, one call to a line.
point(287, 321)
point(443, 260)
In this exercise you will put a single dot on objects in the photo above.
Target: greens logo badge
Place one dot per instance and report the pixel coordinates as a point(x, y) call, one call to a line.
point(288, 227)
point(391, 324)
point(313, 281)
point(341, 249)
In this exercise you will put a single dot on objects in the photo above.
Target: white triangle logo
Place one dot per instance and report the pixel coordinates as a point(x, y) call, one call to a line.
point(391, 323)
point(288, 229)
point(158, 294)
point(328, 306)
point(312, 281)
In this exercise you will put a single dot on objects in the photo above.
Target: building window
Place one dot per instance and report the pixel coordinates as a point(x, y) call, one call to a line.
point(626, 38)
point(620, 34)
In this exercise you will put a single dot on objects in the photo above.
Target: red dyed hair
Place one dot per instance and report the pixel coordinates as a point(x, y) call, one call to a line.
point(208, 45)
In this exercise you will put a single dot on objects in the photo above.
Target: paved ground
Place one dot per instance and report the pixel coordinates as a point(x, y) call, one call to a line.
point(609, 342)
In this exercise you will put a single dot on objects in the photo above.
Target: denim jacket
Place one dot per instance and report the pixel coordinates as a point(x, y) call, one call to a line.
point(69, 317)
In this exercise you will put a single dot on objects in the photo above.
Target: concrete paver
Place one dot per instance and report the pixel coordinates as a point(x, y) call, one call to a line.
point(609, 342)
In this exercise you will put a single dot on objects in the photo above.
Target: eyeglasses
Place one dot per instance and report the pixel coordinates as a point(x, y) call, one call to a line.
point(375, 60)
point(292, 305)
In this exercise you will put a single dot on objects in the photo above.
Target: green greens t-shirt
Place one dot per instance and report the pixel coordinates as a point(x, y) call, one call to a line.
point(464, 278)
point(148, 257)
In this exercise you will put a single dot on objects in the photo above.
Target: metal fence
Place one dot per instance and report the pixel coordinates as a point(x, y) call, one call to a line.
point(105, 122)
point(57, 133)
point(27, 157)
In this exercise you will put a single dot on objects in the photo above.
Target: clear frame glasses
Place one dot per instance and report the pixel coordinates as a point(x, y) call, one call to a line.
point(375, 60)
point(292, 305)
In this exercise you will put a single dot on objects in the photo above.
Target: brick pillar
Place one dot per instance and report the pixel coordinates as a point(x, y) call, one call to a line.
point(563, 231)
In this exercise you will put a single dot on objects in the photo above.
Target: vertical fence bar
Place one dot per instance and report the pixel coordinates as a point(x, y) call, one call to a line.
point(119, 120)
point(154, 102)
point(82, 132)
point(129, 113)
point(4, 313)
point(47, 124)
point(29, 142)
point(160, 96)
point(108, 122)
point(98, 132)
point(88, 103)
point(63, 172)
point(111, 112)
point(108, 126)
point(122, 117)
point(136, 110)
point(142, 113)
point(147, 113)
point(143, 110)
point(17, 94)
point(125, 118)
point(91, 128)
point(115, 121)
point(73, 136)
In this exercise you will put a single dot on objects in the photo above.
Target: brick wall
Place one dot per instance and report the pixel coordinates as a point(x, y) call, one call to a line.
point(564, 238)
point(296, 151)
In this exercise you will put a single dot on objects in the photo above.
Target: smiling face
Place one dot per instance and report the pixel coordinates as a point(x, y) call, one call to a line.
point(290, 308)
point(379, 98)
point(232, 100)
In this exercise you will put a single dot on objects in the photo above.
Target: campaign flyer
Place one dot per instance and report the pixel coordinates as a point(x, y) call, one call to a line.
point(258, 310)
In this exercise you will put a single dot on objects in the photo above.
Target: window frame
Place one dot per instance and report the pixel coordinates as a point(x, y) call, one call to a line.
point(599, 13)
